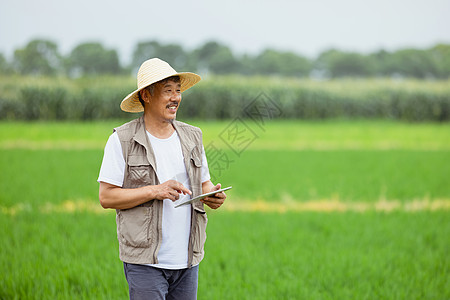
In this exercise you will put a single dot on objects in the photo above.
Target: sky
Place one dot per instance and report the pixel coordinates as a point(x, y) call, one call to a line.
point(306, 27)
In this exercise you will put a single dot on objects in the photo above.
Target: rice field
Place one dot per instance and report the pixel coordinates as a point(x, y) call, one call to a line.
point(318, 210)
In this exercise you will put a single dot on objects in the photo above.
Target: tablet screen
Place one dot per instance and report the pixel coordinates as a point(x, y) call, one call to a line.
point(202, 196)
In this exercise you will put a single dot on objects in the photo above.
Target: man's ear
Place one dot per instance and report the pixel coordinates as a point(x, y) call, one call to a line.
point(145, 95)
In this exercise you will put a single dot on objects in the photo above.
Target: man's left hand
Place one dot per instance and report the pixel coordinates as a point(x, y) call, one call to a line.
point(216, 200)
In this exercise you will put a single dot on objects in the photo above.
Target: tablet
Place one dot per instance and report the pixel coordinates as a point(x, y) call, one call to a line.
point(202, 196)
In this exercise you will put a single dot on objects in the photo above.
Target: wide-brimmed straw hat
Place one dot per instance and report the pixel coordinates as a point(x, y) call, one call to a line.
point(151, 71)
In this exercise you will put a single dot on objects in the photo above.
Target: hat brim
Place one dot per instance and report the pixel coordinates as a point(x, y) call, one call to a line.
point(132, 104)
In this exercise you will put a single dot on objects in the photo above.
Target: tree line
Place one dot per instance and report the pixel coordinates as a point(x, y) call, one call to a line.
point(42, 57)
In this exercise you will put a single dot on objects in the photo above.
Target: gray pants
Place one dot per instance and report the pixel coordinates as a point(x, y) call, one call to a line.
point(146, 282)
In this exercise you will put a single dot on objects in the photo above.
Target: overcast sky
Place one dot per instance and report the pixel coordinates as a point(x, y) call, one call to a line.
point(305, 27)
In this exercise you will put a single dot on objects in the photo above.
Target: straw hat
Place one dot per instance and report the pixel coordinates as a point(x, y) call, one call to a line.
point(151, 71)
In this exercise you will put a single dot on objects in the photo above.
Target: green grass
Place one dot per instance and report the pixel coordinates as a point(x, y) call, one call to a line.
point(50, 251)
point(350, 175)
point(280, 134)
point(48, 176)
point(60, 256)
point(336, 135)
point(55, 176)
point(326, 256)
point(248, 256)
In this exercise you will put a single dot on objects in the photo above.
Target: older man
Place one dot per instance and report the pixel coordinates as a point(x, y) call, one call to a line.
point(149, 165)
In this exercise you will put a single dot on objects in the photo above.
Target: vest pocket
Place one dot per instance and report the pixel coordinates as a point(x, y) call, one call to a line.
point(134, 226)
point(195, 171)
point(139, 171)
point(196, 161)
point(200, 230)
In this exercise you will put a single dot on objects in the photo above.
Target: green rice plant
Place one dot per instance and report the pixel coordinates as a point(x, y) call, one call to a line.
point(35, 178)
point(40, 176)
point(60, 256)
point(248, 256)
point(326, 256)
point(57, 242)
point(364, 161)
point(276, 134)
point(349, 176)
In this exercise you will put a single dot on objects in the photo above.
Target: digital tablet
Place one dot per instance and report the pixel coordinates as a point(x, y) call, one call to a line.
point(202, 196)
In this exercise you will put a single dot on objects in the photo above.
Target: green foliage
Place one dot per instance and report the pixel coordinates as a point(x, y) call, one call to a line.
point(52, 249)
point(227, 98)
point(252, 256)
point(56, 104)
point(62, 99)
point(334, 63)
point(92, 59)
point(363, 161)
point(52, 256)
point(441, 58)
point(224, 98)
point(413, 62)
point(215, 58)
point(5, 66)
point(43, 104)
point(39, 57)
point(346, 175)
point(172, 53)
point(289, 64)
point(326, 256)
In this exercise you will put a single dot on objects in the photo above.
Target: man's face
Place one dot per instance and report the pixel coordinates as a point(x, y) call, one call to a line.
point(166, 98)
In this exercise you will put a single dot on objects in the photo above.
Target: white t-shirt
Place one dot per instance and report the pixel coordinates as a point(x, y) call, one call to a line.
point(173, 253)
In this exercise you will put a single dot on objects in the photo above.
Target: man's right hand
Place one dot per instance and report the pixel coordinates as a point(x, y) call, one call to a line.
point(171, 190)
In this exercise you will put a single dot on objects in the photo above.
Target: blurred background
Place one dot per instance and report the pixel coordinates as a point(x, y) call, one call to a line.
point(330, 119)
point(70, 58)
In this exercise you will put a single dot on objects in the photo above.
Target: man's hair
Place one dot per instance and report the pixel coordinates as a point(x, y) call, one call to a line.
point(151, 87)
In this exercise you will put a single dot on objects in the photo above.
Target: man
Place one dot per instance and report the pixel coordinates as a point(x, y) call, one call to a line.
point(150, 164)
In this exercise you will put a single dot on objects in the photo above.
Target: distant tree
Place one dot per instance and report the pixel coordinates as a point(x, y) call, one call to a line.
point(380, 63)
point(412, 63)
point(5, 66)
point(440, 54)
point(174, 54)
point(144, 51)
point(91, 59)
point(335, 63)
point(295, 65)
point(223, 62)
point(216, 58)
point(204, 54)
point(267, 62)
point(248, 65)
point(272, 62)
point(39, 57)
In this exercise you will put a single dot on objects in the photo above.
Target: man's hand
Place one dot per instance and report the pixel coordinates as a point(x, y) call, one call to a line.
point(112, 196)
point(216, 200)
point(170, 189)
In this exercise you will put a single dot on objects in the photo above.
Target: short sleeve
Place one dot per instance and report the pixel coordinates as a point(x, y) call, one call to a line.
point(205, 169)
point(113, 165)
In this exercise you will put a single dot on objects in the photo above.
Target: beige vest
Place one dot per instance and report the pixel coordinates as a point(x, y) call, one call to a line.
point(139, 229)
